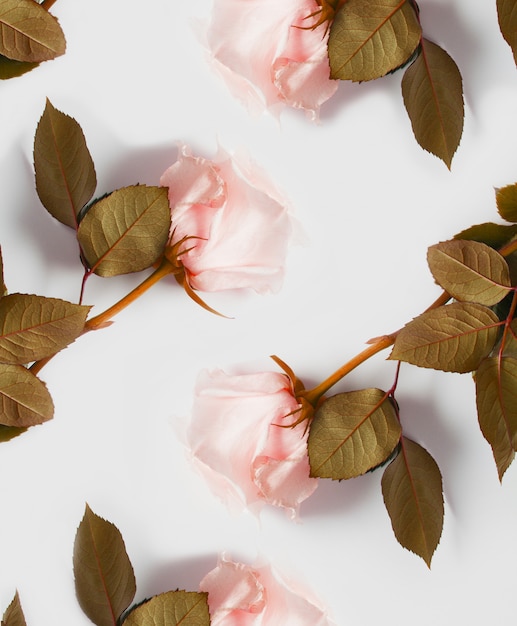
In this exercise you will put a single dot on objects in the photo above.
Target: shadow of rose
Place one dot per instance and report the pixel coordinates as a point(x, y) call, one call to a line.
point(178, 574)
point(140, 165)
point(334, 497)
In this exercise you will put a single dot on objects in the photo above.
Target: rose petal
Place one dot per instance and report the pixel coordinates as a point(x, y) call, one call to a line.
point(236, 595)
point(261, 54)
point(294, 604)
point(240, 595)
point(193, 180)
point(239, 229)
point(235, 437)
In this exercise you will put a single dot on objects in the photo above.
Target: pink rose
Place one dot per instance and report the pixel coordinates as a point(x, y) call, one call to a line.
point(237, 442)
point(239, 595)
point(265, 59)
point(230, 226)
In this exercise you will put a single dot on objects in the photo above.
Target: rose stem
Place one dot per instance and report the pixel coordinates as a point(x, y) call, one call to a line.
point(508, 248)
point(46, 4)
point(509, 319)
point(160, 272)
point(102, 319)
point(376, 345)
point(381, 343)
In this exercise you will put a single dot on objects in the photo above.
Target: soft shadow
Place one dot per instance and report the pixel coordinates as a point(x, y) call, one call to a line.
point(178, 574)
point(336, 497)
point(349, 92)
point(142, 166)
point(55, 241)
point(442, 24)
point(423, 423)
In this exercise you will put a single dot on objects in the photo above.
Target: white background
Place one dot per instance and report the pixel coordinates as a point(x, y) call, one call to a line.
point(370, 201)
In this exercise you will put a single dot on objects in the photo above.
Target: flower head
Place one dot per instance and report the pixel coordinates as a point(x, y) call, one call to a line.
point(240, 595)
point(230, 227)
point(242, 438)
point(267, 55)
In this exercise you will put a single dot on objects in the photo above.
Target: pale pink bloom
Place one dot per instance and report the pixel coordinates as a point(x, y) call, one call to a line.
point(240, 595)
point(265, 59)
point(237, 223)
point(237, 442)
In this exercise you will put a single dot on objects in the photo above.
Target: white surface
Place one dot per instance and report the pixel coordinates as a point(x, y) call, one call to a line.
point(371, 202)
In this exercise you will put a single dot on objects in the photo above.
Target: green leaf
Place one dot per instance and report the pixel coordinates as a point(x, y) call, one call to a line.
point(10, 432)
point(433, 96)
point(28, 32)
point(494, 235)
point(9, 68)
point(507, 16)
point(452, 338)
point(173, 608)
point(496, 399)
point(126, 231)
point(352, 433)
point(506, 200)
point(470, 271)
point(104, 579)
point(24, 398)
point(369, 38)
point(35, 327)
point(14, 616)
point(65, 174)
point(3, 288)
point(413, 495)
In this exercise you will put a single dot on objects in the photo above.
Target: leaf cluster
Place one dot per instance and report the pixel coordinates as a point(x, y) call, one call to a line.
point(369, 39)
point(474, 330)
point(105, 585)
point(355, 432)
point(477, 332)
point(31, 328)
point(29, 35)
point(124, 231)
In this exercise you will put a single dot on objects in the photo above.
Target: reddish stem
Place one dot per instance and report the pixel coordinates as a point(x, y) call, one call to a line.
point(104, 318)
point(47, 4)
point(376, 345)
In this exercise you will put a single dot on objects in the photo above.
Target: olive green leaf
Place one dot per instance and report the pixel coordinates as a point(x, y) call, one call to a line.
point(494, 235)
point(369, 38)
point(9, 68)
point(13, 615)
point(65, 174)
point(3, 288)
point(34, 327)
point(496, 399)
point(173, 608)
point(452, 338)
point(28, 32)
point(507, 16)
point(433, 96)
point(470, 271)
point(24, 398)
point(351, 433)
point(506, 198)
point(413, 495)
point(104, 579)
point(10, 432)
point(126, 231)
